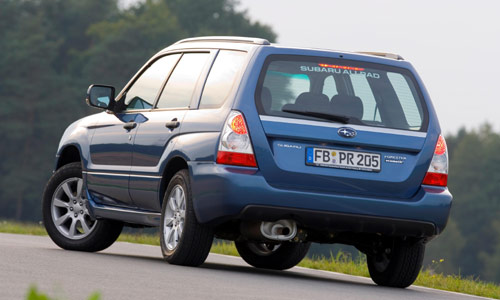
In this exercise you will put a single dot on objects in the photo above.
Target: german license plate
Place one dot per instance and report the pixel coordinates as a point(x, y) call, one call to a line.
point(334, 158)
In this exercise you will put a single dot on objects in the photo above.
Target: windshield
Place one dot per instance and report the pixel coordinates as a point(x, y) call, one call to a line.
point(336, 90)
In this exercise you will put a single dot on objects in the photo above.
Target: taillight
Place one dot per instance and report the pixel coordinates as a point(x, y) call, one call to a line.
point(235, 147)
point(438, 170)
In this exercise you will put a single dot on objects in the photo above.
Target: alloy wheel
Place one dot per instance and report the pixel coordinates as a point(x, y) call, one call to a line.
point(69, 209)
point(175, 214)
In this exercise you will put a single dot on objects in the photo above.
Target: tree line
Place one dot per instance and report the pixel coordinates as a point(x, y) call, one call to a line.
point(470, 244)
point(51, 50)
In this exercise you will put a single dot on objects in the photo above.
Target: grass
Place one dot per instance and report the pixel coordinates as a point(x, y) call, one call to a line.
point(22, 228)
point(341, 262)
point(34, 294)
point(146, 239)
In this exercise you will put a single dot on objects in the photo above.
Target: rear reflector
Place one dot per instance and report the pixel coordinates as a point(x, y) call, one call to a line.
point(234, 158)
point(439, 179)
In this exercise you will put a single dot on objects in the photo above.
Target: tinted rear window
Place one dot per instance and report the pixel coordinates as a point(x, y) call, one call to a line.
point(366, 93)
point(182, 82)
point(221, 78)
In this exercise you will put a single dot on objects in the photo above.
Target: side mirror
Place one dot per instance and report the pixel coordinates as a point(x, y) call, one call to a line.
point(101, 96)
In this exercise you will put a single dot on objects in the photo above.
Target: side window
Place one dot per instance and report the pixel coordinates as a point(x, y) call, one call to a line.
point(408, 103)
point(144, 90)
point(221, 78)
point(180, 86)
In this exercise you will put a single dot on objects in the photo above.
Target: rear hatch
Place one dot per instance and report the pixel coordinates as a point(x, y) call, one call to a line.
point(341, 126)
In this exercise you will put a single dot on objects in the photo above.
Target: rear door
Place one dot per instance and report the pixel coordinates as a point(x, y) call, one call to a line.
point(154, 138)
point(341, 126)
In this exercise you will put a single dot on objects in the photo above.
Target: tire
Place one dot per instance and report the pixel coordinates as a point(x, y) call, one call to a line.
point(66, 214)
point(183, 240)
point(280, 256)
point(399, 266)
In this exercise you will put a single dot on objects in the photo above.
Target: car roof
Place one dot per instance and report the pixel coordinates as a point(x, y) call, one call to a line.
point(251, 43)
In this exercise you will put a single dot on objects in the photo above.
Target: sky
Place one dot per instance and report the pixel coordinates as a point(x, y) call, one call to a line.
point(454, 45)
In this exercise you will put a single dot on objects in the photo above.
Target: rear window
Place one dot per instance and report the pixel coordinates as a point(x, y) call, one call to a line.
point(323, 89)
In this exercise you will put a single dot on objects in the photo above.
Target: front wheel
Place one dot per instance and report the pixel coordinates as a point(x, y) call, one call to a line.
point(66, 214)
point(183, 240)
point(275, 256)
point(397, 264)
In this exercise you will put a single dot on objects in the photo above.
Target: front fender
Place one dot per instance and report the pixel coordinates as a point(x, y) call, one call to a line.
point(79, 135)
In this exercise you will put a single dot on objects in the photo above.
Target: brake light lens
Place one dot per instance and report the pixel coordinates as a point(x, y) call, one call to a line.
point(238, 125)
point(341, 67)
point(235, 147)
point(440, 146)
point(437, 174)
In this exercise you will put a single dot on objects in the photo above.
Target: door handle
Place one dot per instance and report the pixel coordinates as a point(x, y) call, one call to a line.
point(172, 124)
point(130, 125)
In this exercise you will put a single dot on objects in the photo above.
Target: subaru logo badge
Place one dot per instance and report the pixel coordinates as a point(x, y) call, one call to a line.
point(347, 132)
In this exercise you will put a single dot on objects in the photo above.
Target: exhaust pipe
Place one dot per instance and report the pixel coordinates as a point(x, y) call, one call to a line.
point(282, 230)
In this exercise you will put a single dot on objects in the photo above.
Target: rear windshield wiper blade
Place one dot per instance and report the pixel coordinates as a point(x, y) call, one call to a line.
point(331, 117)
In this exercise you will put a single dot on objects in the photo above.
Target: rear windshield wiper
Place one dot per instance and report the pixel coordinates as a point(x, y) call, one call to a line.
point(331, 117)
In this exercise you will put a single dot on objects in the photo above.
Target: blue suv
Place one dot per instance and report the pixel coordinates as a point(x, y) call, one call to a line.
point(271, 147)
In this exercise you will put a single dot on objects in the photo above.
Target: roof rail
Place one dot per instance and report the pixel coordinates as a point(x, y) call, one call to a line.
point(230, 39)
point(382, 54)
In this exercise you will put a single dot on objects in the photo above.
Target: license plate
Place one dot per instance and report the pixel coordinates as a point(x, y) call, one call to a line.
point(334, 158)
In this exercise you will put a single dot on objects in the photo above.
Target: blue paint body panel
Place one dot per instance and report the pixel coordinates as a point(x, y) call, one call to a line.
point(237, 189)
point(124, 169)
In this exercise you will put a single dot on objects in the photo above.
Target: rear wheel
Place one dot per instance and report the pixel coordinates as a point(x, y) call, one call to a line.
point(66, 214)
point(183, 240)
point(397, 264)
point(276, 256)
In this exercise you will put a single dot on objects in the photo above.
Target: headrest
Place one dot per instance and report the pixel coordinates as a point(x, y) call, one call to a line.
point(312, 101)
point(349, 106)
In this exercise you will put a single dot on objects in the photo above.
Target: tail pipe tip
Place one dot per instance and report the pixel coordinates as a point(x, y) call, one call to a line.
point(282, 230)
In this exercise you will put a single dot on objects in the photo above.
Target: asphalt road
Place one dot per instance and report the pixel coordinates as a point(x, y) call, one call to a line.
point(132, 271)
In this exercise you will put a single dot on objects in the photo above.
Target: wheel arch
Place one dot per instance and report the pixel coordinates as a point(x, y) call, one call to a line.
point(68, 154)
point(174, 165)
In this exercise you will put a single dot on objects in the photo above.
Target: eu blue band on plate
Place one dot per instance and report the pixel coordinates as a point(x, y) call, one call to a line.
point(310, 154)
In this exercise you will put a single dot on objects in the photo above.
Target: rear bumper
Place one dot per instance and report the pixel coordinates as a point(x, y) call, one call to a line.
point(221, 193)
point(340, 222)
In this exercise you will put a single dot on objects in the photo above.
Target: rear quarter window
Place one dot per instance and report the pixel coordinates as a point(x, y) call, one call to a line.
point(221, 78)
point(366, 93)
point(180, 87)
